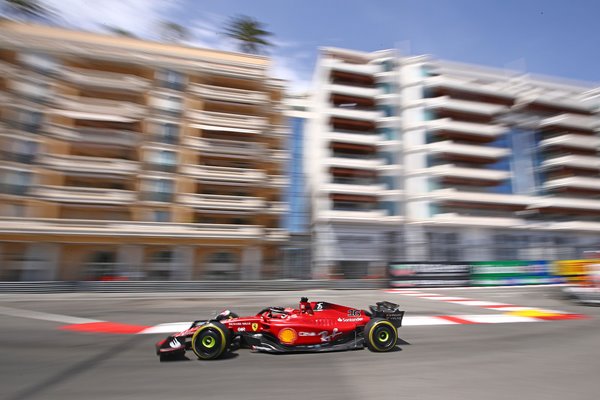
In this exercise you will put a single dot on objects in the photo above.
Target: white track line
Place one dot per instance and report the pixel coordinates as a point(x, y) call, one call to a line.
point(65, 319)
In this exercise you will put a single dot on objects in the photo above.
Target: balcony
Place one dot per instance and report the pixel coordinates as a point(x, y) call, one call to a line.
point(576, 182)
point(89, 165)
point(358, 189)
point(222, 202)
point(518, 201)
point(354, 162)
point(278, 181)
point(475, 174)
point(221, 93)
point(354, 90)
point(134, 229)
point(572, 141)
point(571, 121)
point(477, 131)
point(573, 161)
point(237, 148)
point(219, 119)
point(483, 153)
point(452, 219)
point(470, 87)
point(279, 155)
point(350, 113)
point(83, 195)
point(277, 207)
point(353, 216)
point(361, 69)
point(89, 106)
point(276, 235)
point(246, 176)
point(464, 107)
point(105, 80)
point(355, 138)
point(96, 135)
point(229, 69)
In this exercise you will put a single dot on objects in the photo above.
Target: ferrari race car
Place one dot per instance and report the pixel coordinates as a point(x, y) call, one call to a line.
point(314, 326)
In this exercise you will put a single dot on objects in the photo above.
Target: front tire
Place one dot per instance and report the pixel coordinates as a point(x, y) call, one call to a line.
point(210, 340)
point(381, 335)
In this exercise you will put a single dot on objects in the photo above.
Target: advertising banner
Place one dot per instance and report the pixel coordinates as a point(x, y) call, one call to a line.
point(575, 271)
point(495, 273)
point(428, 274)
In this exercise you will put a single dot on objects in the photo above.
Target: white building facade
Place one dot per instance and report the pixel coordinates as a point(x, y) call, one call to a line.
point(416, 159)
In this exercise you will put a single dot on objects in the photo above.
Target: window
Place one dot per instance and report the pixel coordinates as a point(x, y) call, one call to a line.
point(169, 133)
point(30, 121)
point(159, 190)
point(163, 160)
point(42, 63)
point(161, 216)
point(16, 182)
point(171, 79)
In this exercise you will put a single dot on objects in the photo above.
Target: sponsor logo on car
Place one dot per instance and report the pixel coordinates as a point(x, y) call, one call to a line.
point(254, 326)
point(287, 336)
point(326, 338)
point(358, 319)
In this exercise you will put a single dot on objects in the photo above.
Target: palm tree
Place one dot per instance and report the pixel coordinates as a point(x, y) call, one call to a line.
point(27, 9)
point(249, 33)
point(173, 32)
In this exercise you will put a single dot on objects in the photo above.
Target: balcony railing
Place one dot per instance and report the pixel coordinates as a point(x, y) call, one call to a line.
point(276, 234)
point(163, 197)
point(100, 106)
point(277, 207)
point(95, 165)
point(469, 128)
point(468, 150)
point(449, 170)
point(572, 140)
point(94, 228)
point(278, 181)
point(220, 146)
point(222, 202)
point(104, 79)
point(573, 161)
point(9, 188)
point(224, 174)
point(83, 195)
point(96, 135)
point(572, 121)
point(227, 119)
point(228, 94)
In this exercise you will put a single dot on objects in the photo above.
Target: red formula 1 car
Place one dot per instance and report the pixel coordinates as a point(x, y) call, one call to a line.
point(314, 326)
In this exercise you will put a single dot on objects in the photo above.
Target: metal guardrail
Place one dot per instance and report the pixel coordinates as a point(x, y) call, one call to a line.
point(187, 286)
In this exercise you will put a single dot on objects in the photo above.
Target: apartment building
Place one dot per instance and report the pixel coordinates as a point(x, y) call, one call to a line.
point(123, 158)
point(419, 159)
point(353, 164)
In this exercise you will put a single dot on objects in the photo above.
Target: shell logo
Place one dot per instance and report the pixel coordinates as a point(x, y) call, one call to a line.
point(287, 336)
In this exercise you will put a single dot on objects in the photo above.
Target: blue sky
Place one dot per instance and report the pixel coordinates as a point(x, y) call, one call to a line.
point(550, 37)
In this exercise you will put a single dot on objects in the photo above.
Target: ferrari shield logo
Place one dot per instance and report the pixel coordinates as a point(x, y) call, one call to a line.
point(254, 326)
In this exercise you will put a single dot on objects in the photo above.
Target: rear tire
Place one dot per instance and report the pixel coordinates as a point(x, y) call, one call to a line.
point(380, 335)
point(211, 340)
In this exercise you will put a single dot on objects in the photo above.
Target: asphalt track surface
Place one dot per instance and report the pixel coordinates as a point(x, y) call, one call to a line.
point(540, 360)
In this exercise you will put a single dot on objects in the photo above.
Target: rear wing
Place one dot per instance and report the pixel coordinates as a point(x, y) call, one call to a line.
point(388, 311)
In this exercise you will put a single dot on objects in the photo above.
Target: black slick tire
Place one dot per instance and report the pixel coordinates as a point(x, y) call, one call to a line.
point(211, 340)
point(380, 335)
